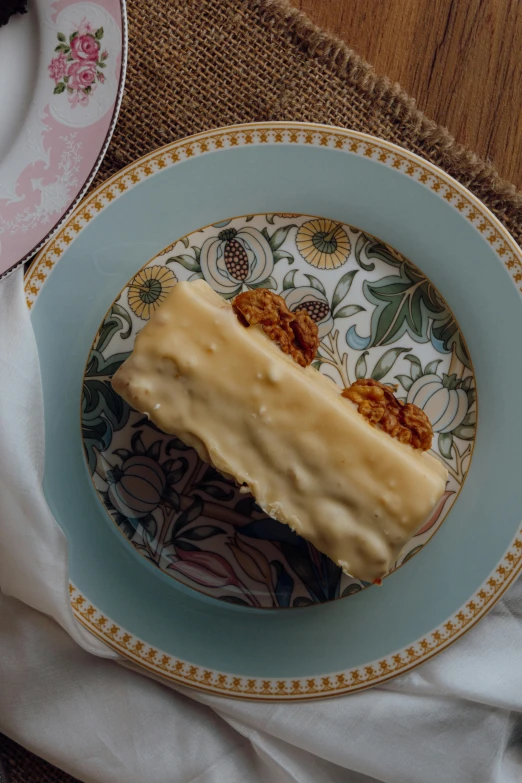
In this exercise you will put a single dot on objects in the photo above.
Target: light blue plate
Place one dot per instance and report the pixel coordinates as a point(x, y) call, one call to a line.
point(357, 180)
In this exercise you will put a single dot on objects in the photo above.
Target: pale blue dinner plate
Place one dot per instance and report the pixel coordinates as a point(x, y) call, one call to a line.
point(357, 180)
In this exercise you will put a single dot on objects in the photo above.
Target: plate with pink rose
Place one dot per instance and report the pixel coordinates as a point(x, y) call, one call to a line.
point(62, 70)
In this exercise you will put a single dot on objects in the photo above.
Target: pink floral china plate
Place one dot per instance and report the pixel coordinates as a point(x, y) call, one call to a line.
point(62, 69)
point(378, 317)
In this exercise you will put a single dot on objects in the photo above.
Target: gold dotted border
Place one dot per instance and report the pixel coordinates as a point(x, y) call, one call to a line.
point(493, 232)
point(278, 133)
point(348, 681)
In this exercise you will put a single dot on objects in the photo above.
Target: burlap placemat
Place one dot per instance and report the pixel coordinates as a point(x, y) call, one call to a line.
point(22, 767)
point(201, 64)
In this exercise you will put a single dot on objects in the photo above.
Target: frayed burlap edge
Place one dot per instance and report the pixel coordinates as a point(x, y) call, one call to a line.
point(440, 146)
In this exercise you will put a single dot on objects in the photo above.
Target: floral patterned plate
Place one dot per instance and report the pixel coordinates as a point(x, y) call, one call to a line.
point(58, 113)
point(378, 317)
point(283, 175)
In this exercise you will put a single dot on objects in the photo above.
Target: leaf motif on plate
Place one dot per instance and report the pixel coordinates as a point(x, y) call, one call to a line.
point(351, 589)
point(185, 518)
point(202, 532)
point(284, 585)
point(386, 362)
point(341, 290)
point(408, 304)
point(118, 321)
point(186, 261)
point(103, 411)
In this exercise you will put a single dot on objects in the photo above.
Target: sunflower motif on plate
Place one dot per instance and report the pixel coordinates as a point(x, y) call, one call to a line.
point(323, 243)
point(149, 288)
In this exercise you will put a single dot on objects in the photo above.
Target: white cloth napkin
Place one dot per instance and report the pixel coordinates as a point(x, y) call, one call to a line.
point(71, 700)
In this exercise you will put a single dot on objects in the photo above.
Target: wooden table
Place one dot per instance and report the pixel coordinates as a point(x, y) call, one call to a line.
point(460, 59)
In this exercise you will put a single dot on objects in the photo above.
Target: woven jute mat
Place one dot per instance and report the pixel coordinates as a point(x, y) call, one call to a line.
point(200, 64)
point(20, 766)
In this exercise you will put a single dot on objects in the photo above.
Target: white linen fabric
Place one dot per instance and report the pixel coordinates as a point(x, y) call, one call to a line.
point(70, 699)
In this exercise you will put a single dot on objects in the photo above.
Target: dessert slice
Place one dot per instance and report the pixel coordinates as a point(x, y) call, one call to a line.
point(245, 397)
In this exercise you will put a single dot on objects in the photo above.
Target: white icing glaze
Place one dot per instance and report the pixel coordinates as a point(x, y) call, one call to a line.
point(307, 455)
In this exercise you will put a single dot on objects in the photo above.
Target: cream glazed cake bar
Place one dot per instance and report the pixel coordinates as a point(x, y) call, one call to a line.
point(347, 470)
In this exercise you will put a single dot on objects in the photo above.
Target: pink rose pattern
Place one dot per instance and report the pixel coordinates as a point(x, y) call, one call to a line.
point(77, 67)
point(85, 47)
point(81, 75)
point(58, 67)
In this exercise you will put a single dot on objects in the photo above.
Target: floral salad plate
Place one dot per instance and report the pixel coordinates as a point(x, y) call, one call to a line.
point(410, 280)
point(62, 69)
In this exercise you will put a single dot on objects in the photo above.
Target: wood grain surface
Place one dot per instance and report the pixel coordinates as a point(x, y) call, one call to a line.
point(460, 59)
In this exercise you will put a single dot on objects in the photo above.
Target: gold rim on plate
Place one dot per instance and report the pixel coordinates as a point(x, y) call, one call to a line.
point(363, 145)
